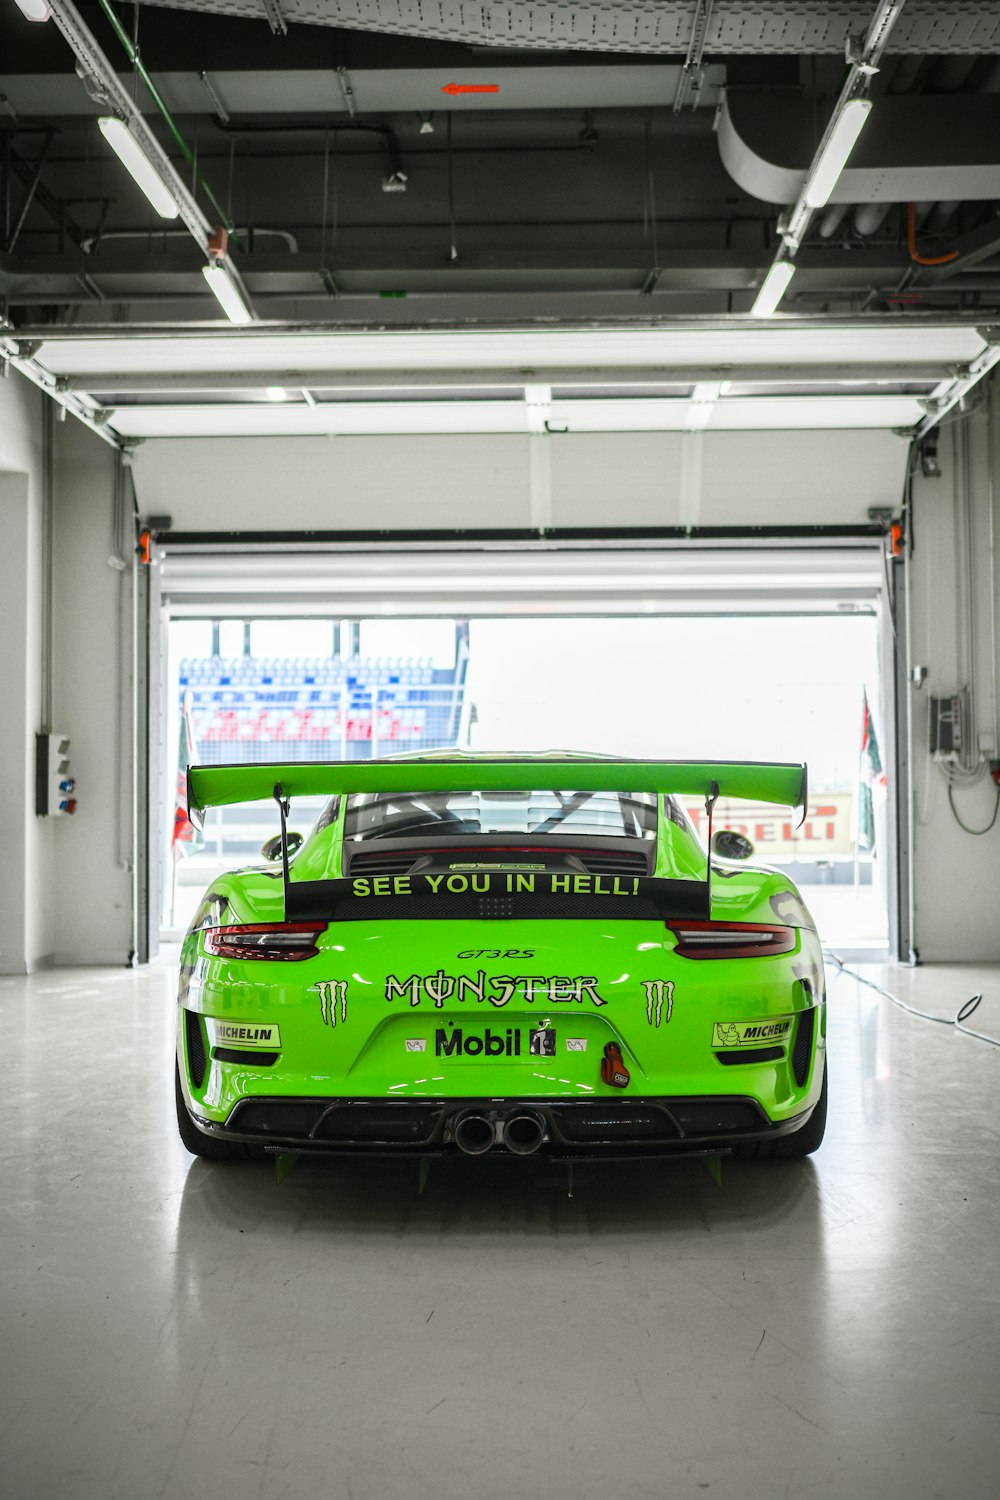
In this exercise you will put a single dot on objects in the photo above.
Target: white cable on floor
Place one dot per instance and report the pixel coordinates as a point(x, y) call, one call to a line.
point(965, 1010)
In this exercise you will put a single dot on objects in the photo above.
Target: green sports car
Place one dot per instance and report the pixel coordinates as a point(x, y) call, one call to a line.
point(501, 955)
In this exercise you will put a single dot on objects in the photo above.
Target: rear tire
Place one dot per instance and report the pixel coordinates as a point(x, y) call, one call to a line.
point(206, 1146)
point(790, 1147)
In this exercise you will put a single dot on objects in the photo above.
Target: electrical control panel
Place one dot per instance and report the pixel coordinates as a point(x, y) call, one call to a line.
point(55, 784)
point(946, 728)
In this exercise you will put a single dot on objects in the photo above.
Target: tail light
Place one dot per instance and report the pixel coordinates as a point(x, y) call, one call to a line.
point(731, 939)
point(273, 940)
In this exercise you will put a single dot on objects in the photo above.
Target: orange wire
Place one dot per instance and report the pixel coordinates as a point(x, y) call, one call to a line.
point(911, 242)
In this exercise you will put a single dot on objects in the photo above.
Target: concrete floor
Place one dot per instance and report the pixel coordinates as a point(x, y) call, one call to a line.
point(173, 1328)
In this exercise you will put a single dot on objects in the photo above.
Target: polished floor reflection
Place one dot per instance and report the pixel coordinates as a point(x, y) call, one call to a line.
point(173, 1328)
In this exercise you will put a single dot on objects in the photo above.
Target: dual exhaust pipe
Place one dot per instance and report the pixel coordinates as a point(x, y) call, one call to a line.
point(475, 1132)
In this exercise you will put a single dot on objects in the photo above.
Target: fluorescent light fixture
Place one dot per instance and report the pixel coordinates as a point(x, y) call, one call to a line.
point(276, 393)
point(774, 286)
point(823, 178)
point(35, 10)
point(225, 290)
point(137, 163)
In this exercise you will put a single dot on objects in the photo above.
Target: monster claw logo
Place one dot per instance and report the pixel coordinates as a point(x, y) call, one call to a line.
point(332, 992)
point(658, 991)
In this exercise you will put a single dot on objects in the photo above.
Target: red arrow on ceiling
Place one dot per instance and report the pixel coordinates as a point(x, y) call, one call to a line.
point(471, 88)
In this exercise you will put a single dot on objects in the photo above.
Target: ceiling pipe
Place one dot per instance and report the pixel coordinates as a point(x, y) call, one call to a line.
point(255, 127)
point(95, 241)
point(832, 219)
point(940, 215)
point(869, 217)
point(913, 220)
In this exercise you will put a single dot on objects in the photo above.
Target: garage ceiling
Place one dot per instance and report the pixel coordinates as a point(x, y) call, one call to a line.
point(737, 376)
point(498, 218)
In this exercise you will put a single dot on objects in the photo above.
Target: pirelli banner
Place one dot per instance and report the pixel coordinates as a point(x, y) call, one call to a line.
point(827, 829)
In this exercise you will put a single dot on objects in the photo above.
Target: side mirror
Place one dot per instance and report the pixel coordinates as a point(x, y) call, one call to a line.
point(728, 844)
point(271, 848)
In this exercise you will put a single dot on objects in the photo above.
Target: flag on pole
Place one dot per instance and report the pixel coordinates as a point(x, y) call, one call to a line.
point(184, 830)
point(873, 781)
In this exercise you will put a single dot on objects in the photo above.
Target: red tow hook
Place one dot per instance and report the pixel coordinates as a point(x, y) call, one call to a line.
point(613, 1069)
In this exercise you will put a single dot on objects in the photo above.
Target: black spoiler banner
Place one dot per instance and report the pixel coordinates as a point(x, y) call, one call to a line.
point(500, 893)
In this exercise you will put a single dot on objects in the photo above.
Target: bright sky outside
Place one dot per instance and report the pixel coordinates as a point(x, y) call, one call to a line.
point(725, 689)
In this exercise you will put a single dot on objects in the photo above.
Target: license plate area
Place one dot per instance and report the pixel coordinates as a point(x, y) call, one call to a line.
point(513, 1042)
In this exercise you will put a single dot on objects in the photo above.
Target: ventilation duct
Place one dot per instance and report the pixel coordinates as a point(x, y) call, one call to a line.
point(924, 149)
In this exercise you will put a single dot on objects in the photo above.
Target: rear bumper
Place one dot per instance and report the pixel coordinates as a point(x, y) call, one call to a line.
point(573, 1129)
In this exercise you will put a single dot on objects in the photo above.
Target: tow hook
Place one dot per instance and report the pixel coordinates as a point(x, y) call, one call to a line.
point(613, 1069)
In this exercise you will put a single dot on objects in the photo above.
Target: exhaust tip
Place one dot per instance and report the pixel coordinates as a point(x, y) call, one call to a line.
point(474, 1133)
point(523, 1133)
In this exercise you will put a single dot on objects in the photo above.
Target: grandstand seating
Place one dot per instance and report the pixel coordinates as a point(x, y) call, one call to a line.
point(333, 708)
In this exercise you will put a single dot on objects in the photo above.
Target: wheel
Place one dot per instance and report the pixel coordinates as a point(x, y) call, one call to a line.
point(803, 1143)
point(206, 1146)
point(809, 1139)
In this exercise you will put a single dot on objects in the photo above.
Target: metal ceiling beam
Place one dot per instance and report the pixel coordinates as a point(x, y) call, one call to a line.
point(264, 88)
point(53, 206)
point(37, 167)
point(406, 262)
point(275, 19)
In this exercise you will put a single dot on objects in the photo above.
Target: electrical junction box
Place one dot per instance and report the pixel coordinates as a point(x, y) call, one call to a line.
point(54, 781)
point(946, 728)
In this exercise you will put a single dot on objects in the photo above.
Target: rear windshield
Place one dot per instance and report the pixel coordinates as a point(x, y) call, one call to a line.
point(428, 814)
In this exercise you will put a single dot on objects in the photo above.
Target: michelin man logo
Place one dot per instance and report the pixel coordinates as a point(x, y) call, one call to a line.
point(659, 992)
point(332, 992)
point(726, 1035)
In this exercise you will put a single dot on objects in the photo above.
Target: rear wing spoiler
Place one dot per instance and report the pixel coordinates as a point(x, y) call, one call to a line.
point(222, 786)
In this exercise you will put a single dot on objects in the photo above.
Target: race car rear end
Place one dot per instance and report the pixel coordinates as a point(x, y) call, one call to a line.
point(446, 987)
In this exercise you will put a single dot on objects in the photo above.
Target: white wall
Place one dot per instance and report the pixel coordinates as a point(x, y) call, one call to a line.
point(596, 480)
point(92, 632)
point(65, 886)
point(957, 876)
point(26, 868)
